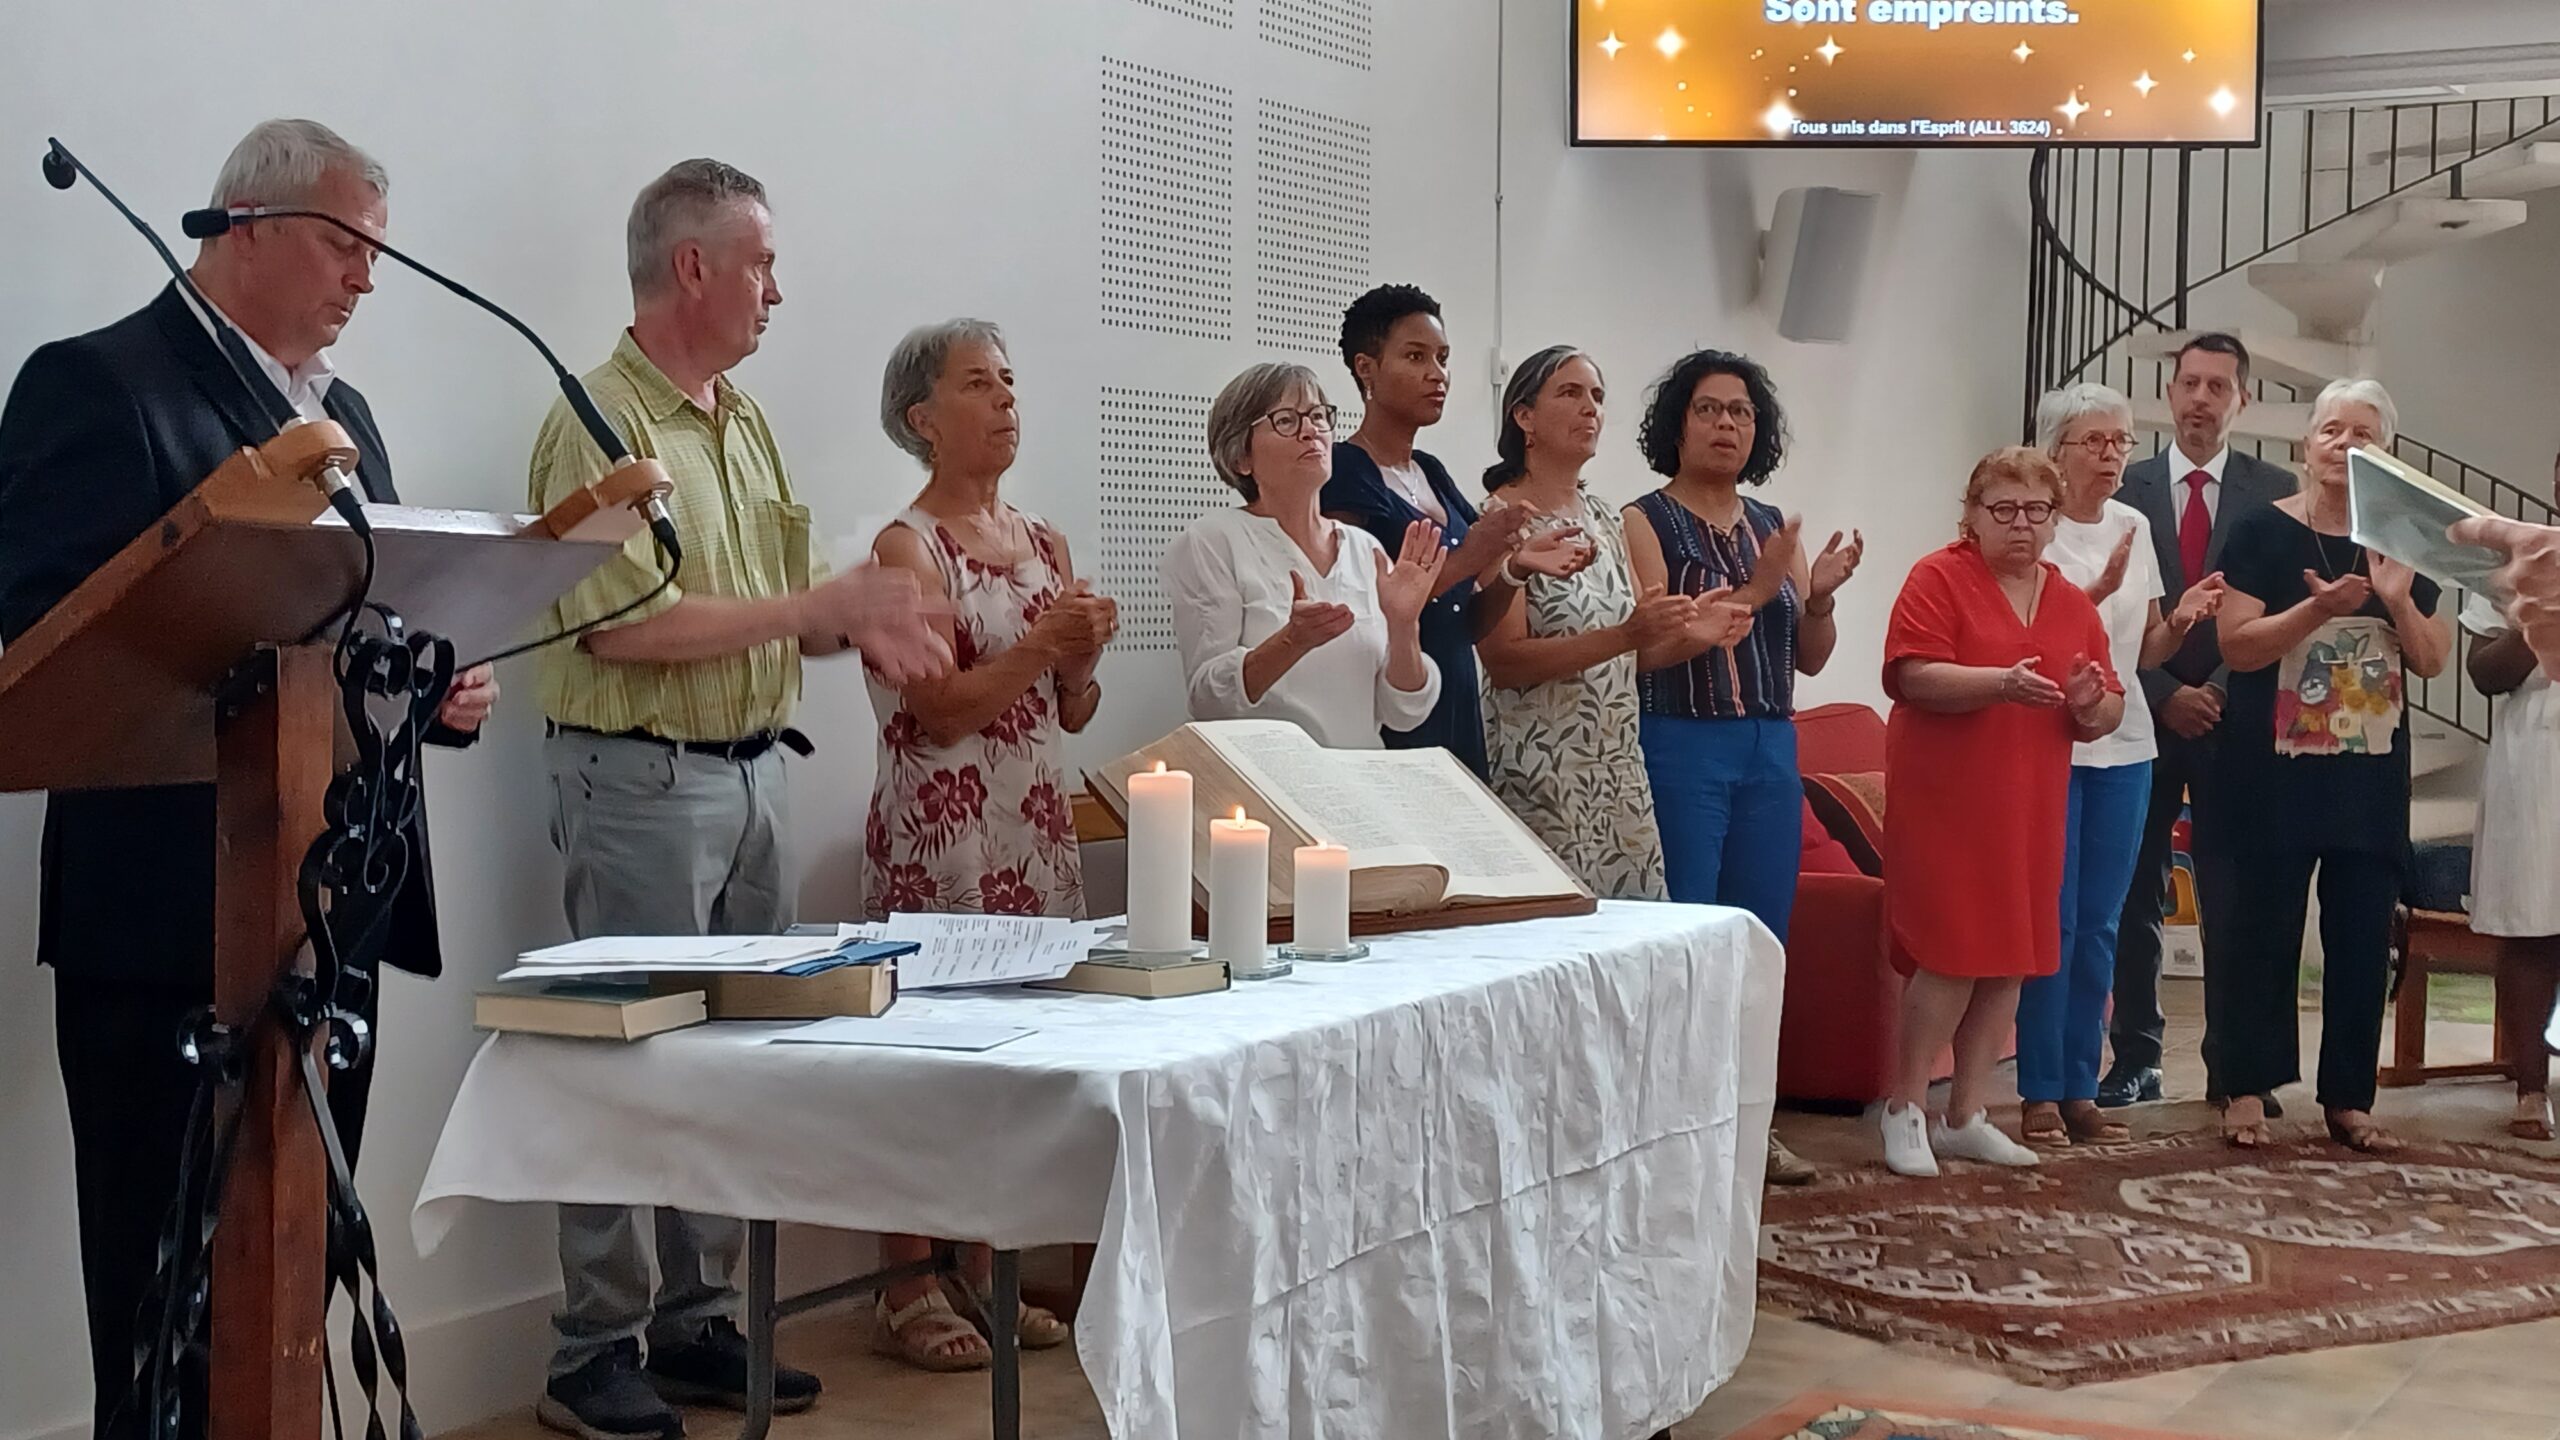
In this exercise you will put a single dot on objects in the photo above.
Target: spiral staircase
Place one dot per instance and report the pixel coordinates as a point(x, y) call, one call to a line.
point(2289, 245)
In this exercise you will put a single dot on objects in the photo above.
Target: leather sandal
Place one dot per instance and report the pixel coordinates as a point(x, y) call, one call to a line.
point(2361, 1134)
point(2248, 1130)
point(2090, 1125)
point(926, 1332)
point(2042, 1125)
point(1034, 1327)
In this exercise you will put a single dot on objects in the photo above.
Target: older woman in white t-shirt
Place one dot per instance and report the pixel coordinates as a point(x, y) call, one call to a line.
point(2104, 546)
point(1282, 614)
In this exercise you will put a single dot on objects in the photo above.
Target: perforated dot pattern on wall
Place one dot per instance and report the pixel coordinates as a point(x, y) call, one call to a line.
point(1156, 480)
point(1311, 229)
point(1337, 30)
point(1221, 13)
point(1168, 202)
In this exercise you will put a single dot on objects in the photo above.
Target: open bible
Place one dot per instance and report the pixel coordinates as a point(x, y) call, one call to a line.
point(1430, 845)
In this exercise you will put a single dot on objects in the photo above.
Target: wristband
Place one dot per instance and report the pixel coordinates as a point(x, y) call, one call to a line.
point(1503, 573)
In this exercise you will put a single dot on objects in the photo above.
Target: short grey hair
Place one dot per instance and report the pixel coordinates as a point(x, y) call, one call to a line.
point(683, 204)
point(2338, 393)
point(284, 162)
point(916, 366)
point(2059, 409)
point(1248, 397)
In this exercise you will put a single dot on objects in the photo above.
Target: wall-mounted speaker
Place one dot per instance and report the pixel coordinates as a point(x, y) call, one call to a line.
point(1813, 261)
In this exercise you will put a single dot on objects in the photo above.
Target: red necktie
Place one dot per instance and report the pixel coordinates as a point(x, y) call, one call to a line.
point(2195, 528)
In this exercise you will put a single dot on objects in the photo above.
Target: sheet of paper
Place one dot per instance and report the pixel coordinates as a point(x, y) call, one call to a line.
point(697, 951)
point(892, 1032)
point(673, 954)
point(958, 951)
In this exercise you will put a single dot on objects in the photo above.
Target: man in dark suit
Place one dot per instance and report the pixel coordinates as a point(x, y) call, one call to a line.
point(2193, 493)
point(101, 435)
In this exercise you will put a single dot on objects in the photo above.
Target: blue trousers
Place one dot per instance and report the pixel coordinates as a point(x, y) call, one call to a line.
point(1731, 809)
point(2062, 1017)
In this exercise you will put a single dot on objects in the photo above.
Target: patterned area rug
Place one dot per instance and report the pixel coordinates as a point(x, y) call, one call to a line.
point(1831, 1417)
point(2105, 1264)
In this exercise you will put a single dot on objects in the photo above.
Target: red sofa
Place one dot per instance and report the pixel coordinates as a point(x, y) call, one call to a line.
point(1837, 1038)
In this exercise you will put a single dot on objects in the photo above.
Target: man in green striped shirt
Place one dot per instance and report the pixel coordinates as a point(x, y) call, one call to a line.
point(665, 747)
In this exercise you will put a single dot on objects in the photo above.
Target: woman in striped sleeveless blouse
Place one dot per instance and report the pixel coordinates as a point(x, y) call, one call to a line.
point(1719, 720)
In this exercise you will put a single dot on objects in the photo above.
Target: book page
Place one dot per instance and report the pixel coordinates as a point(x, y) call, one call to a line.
point(1403, 807)
point(1334, 803)
point(1436, 803)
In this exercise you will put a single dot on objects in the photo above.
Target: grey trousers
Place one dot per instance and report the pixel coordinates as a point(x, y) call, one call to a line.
point(657, 842)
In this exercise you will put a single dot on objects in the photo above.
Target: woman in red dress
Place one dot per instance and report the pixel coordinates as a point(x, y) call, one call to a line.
point(1997, 665)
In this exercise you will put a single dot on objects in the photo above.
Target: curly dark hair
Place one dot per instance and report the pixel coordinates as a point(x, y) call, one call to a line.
point(1366, 323)
point(1666, 414)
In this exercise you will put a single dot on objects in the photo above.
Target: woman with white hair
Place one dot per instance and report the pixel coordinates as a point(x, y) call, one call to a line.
point(2321, 636)
point(1281, 613)
point(970, 811)
point(2103, 546)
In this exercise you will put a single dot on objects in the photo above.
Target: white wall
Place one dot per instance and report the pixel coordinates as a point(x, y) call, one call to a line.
point(924, 160)
point(2470, 348)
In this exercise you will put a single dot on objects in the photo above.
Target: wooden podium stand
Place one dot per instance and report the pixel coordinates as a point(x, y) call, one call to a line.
point(202, 652)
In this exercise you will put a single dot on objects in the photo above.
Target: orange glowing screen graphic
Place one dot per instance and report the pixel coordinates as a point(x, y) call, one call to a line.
point(1916, 72)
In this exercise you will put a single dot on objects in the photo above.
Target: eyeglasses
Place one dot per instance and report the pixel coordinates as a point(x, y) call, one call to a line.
point(2007, 511)
point(2100, 445)
point(1287, 423)
point(1742, 412)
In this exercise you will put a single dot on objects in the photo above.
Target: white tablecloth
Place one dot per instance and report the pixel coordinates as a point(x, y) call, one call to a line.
point(1491, 1182)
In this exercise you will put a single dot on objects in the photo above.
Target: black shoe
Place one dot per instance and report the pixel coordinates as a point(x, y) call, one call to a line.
point(2129, 1085)
point(605, 1399)
point(712, 1370)
point(2274, 1110)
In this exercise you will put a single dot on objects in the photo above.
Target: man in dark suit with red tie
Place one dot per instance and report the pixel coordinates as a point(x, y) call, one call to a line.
point(102, 433)
point(2193, 493)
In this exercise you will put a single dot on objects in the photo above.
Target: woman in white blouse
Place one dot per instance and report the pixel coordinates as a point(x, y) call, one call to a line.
point(1282, 614)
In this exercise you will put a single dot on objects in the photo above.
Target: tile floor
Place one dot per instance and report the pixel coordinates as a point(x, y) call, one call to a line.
point(2493, 1385)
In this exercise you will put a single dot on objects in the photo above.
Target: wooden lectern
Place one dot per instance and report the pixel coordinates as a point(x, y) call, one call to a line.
point(202, 652)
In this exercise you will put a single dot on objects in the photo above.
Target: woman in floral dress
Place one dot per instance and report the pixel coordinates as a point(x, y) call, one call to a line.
point(970, 812)
point(1560, 698)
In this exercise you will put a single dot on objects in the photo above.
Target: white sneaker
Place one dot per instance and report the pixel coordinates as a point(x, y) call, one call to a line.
point(1906, 1141)
point(1979, 1139)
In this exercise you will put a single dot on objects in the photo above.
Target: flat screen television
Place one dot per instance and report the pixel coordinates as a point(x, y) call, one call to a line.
point(1912, 73)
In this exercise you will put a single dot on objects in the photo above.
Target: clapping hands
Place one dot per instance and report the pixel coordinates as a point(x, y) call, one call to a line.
point(1408, 585)
point(2341, 597)
point(2202, 602)
point(1313, 624)
point(2085, 687)
point(1076, 626)
point(2111, 579)
point(2023, 684)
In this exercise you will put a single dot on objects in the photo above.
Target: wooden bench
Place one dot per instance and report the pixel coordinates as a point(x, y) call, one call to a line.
point(2436, 942)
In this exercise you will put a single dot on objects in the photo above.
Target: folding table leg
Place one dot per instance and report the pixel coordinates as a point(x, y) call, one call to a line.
point(1007, 1378)
point(763, 1310)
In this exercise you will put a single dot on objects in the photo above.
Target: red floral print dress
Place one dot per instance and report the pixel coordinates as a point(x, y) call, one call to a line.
point(983, 826)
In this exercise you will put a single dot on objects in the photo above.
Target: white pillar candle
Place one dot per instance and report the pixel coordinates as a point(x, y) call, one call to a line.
point(1239, 891)
point(1320, 902)
point(1160, 860)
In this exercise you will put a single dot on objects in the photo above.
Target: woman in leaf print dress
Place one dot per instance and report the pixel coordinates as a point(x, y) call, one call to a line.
point(1560, 698)
point(970, 811)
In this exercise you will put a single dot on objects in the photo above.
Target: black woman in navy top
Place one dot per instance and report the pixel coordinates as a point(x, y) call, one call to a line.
point(1398, 353)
